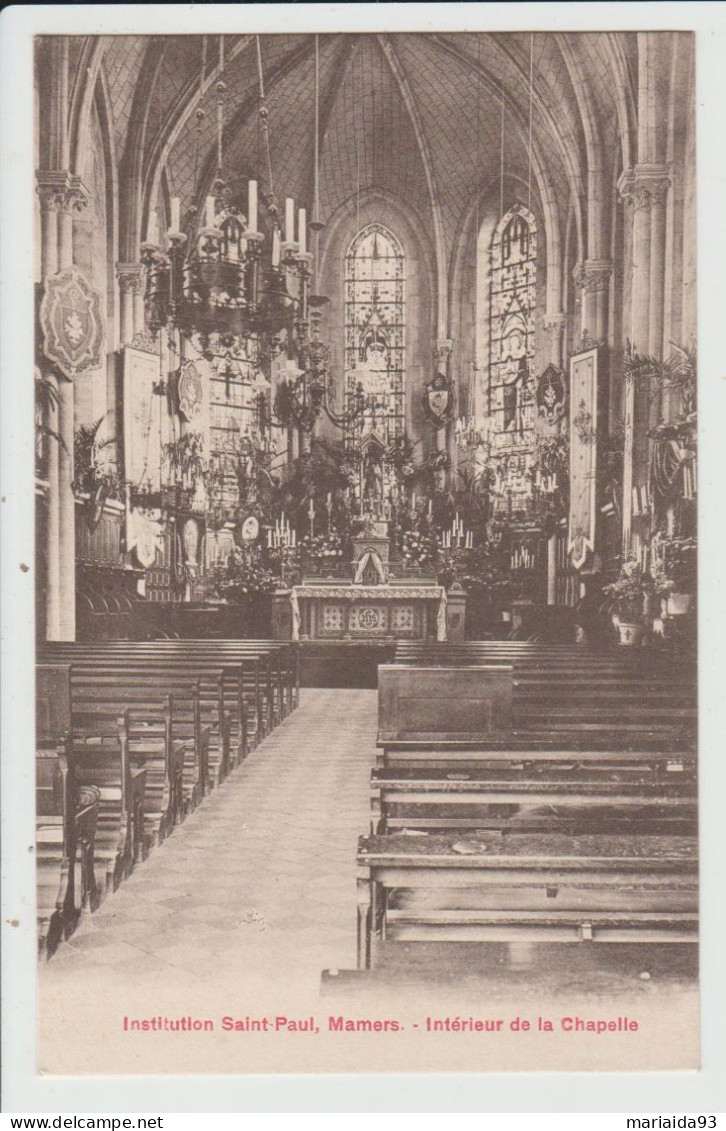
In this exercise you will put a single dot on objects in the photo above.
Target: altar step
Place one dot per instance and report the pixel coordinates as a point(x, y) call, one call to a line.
point(343, 663)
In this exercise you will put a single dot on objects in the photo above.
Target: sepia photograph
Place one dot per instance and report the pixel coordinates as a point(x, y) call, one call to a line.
point(366, 550)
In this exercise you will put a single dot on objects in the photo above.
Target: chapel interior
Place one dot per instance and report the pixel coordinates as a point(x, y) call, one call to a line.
point(366, 490)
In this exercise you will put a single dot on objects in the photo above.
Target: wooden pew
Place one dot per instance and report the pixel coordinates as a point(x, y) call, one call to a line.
point(248, 667)
point(486, 888)
point(451, 702)
point(532, 800)
point(66, 816)
point(107, 688)
point(102, 760)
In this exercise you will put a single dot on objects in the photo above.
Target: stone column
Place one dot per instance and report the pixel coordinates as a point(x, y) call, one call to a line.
point(66, 515)
point(52, 532)
point(131, 306)
point(595, 275)
point(444, 435)
point(556, 324)
point(62, 194)
point(639, 187)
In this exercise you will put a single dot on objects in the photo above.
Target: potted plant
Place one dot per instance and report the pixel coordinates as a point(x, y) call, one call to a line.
point(95, 478)
point(629, 597)
point(678, 568)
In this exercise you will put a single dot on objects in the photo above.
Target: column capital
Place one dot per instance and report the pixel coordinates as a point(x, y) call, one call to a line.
point(61, 191)
point(131, 278)
point(555, 321)
point(645, 185)
point(594, 275)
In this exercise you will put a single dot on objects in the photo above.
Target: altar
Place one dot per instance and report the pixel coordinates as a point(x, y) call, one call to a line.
point(374, 604)
point(349, 611)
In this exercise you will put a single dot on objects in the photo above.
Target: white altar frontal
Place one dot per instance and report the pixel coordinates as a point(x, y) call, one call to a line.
point(346, 611)
point(373, 605)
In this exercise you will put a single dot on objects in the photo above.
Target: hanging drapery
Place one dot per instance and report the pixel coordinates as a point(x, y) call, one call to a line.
point(583, 455)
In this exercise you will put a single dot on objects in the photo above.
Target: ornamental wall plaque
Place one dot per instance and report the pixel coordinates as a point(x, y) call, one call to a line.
point(190, 390)
point(72, 324)
point(439, 399)
point(551, 394)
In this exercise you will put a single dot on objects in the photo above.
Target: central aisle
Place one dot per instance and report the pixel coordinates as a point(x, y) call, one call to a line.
point(258, 883)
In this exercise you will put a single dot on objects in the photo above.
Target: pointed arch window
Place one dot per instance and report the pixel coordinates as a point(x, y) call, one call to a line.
point(375, 276)
point(512, 309)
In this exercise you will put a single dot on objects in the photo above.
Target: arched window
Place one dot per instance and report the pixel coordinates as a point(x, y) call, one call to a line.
point(375, 328)
point(512, 304)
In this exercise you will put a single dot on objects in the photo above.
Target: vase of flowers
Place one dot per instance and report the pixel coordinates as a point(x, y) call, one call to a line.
point(629, 599)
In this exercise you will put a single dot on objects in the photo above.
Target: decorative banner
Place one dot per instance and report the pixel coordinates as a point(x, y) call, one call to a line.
point(551, 394)
point(70, 317)
point(439, 399)
point(190, 391)
point(145, 536)
point(146, 422)
point(583, 455)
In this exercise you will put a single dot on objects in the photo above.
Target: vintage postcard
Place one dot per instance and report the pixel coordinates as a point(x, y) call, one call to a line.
point(366, 481)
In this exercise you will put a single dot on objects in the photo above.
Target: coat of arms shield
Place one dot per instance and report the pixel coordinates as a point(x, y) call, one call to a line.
point(70, 316)
point(439, 399)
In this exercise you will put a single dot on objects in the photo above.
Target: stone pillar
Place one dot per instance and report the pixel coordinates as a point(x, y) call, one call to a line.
point(61, 195)
point(131, 306)
point(444, 435)
point(597, 275)
point(639, 187)
point(52, 532)
point(66, 515)
point(557, 325)
point(552, 569)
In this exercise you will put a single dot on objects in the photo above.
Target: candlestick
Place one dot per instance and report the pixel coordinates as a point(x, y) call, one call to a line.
point(289, 220)
point(302, 234)
point(175, 213)
point(210, 211)
point(252, 205)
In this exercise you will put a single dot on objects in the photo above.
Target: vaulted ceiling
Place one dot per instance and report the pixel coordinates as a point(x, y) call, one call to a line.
point(418, 117)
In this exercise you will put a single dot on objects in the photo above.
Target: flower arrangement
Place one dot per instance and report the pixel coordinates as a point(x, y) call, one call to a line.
point(323, 547)
point(419, 547)
point(243, 576)
point(627, 595)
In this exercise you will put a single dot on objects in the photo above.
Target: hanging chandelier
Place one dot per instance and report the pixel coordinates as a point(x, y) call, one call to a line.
point(229, 275)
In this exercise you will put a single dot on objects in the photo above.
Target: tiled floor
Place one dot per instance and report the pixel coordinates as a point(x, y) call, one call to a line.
point(262, 874)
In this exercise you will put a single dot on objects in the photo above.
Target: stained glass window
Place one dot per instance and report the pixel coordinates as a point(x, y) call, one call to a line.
point(510, 405)
point(374, 329)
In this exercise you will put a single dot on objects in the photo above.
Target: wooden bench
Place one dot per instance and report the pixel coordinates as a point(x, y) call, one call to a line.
point(543, 888)
point(102, 760)
point(66, 816)
point(108, 689)
point(443, 702)
point(251, 666)
point(541, 798)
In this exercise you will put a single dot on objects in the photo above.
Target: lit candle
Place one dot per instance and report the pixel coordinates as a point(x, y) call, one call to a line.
point(276, 247)
point(210, 211)
point(175, 213)
point(269, 538)
point(152, 232)
point(302, 233)
point(289, 220)
point(311, 508)
point(329, 499)
point(294, 539)
point(252, 205)
point(431, 508)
